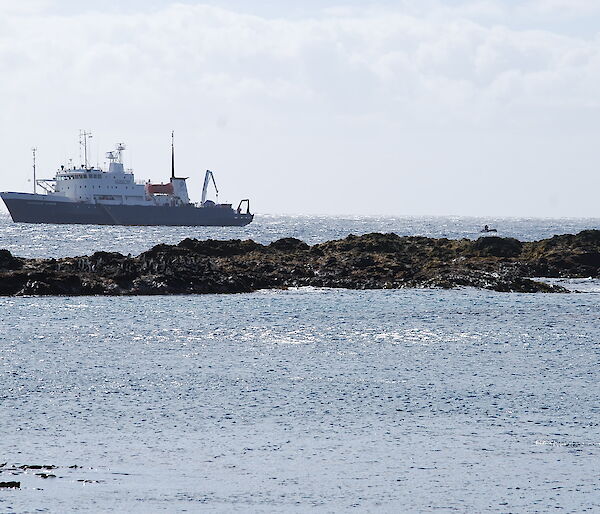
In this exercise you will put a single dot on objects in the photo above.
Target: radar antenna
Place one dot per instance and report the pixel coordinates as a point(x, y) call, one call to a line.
point(120, 148)
point(116, 154)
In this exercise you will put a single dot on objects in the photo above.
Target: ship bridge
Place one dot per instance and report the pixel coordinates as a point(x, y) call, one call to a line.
point(115, 186)
point(94, 185)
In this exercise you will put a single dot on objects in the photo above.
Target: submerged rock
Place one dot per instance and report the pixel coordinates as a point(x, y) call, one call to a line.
point(10, 485)
point(371, 261)
point(37, 466)
point(45, 475)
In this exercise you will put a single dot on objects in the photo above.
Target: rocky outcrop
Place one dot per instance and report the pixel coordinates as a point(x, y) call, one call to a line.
point(372, 261)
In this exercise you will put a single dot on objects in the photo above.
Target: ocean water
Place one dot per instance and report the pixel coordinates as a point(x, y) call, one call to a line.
point(301, 400)
point(29, 240)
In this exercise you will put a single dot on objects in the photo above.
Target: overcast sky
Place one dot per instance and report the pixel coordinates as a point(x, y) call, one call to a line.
point(482, 107)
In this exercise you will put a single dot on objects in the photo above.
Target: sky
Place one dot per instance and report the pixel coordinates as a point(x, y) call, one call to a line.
point(405, 107)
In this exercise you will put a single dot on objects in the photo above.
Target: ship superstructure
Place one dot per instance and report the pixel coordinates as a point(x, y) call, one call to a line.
point(88, 194)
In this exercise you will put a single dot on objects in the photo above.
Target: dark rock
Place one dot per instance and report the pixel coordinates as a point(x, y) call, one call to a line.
point(37, 466)
point(374, 242)
point(362, 261)
point(106, 257)
point(289, 244)
point(212, 247)
point(569, 255)
point(10, 485)
point(8, 261)
point(497, 247)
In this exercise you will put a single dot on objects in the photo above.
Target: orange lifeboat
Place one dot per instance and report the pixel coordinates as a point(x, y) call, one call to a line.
point(161, 189)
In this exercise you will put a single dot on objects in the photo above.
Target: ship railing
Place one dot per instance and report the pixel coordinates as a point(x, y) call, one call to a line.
point(243, 202)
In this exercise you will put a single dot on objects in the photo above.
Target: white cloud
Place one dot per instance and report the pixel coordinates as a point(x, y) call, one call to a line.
point(311, 97)
point(29, 7)
point(568, 8)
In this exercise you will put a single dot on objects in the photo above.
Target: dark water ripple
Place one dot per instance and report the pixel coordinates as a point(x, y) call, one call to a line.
point(397, 401)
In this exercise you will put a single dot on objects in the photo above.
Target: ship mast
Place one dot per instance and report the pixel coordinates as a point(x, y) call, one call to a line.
point(83, 137)
point(172, 154)
point(33, 151)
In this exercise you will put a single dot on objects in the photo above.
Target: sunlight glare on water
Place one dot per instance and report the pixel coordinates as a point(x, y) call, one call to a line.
point(294, 400)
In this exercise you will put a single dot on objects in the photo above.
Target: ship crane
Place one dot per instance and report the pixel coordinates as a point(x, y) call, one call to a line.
point(207, 178)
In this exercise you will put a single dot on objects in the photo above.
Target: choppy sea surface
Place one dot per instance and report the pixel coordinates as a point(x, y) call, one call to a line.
point(30, 240)
point(300, 400)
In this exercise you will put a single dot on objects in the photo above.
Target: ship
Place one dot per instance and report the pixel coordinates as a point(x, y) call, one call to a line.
point(90, 195)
